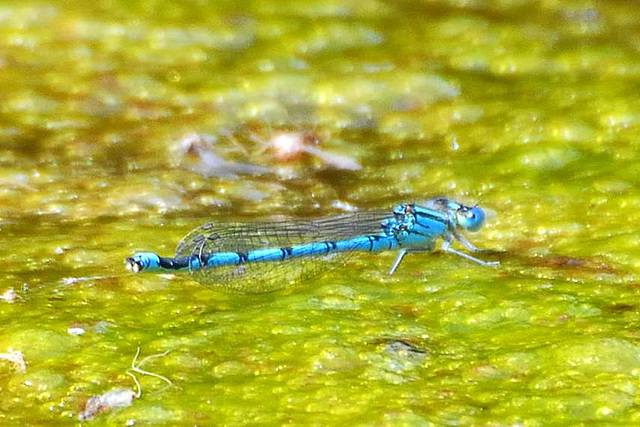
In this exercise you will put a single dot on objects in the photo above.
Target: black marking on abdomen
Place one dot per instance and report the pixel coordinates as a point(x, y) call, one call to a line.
point(243, 258)
point(174, 263)
point(373, 238)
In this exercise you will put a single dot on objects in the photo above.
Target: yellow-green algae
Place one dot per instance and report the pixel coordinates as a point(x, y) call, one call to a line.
point(529, 107)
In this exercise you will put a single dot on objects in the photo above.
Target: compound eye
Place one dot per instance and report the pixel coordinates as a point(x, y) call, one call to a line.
point(473, 219)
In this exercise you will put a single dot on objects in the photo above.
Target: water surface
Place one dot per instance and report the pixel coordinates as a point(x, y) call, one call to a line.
point(124, 125)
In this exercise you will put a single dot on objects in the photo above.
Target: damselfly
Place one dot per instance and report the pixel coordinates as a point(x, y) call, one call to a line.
point(262, 257)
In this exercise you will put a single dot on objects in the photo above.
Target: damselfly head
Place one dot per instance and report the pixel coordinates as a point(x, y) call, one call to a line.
point(470, 219)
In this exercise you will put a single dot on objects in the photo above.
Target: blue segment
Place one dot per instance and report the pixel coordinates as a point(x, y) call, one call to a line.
point(223, 258)
point(310, 249)
point(192, 263)
point(262, 255)
point(362, 243)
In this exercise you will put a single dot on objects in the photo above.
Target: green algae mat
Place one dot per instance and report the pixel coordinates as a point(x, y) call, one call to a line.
point(123, 125)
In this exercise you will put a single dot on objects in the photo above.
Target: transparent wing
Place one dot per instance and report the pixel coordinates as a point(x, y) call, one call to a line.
point(257, 277)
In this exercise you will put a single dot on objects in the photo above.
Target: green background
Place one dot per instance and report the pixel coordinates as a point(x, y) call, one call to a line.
point(529, 107)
